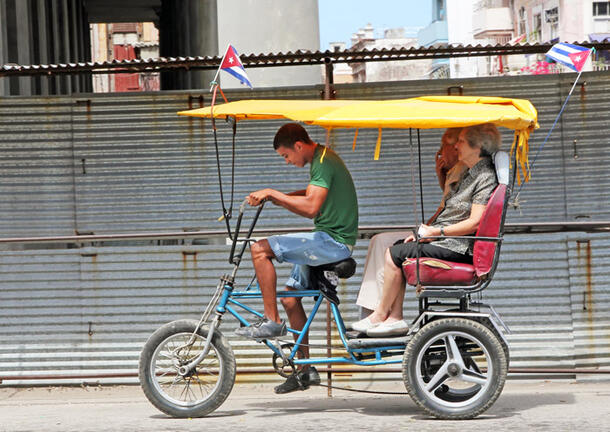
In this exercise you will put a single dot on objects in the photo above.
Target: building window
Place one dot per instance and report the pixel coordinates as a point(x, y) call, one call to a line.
point(601, 9)
point(439, 11)
point(522, 21)
point(537, 30)
point(551, 16)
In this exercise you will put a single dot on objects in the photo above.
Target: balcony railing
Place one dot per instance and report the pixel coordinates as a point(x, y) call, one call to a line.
point(490, 4)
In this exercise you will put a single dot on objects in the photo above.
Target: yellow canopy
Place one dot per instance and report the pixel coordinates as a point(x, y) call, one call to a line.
point(424, 112)
point(421, 113)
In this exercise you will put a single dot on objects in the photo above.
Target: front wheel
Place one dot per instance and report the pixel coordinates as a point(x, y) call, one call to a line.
point(454, 368)
point(193, 394)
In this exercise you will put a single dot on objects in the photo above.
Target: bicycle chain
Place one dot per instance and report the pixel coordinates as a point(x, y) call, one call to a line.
point(343, 388)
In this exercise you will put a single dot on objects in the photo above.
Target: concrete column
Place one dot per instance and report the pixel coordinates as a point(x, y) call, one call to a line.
point(22, 45)
point(4, 82)
point(53, 35)
point(86, 80)
point(63, 33)
point(187, 28)
point(205, 39)
point(44, 44)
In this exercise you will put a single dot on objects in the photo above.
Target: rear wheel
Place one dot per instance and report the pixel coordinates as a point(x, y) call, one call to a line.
point(454, 368)
point(193, 394)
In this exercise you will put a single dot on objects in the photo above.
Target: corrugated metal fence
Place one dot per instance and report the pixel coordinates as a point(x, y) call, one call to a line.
point(125, 163)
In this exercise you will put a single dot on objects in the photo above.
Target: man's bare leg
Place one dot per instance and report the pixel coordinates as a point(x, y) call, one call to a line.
point(262, 254)
point(297, 318)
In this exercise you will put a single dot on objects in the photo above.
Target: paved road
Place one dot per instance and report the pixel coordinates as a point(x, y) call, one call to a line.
point(560, 405)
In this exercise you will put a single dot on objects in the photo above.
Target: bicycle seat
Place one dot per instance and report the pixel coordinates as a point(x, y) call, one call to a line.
point(326, 277)
point(345, 269)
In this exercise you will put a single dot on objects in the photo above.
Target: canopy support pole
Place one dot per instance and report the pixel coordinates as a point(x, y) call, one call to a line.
point(329, 93)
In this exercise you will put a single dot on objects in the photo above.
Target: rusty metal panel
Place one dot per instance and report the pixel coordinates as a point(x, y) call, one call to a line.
point(135, 166)
point(586, 146)
point(37, 187)
point(88, 311)
point(589, 259)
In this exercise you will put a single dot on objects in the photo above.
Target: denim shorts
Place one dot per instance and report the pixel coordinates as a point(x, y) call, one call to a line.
point(304, 250)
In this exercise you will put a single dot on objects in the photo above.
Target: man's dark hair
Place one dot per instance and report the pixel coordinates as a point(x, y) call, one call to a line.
point(289, 134)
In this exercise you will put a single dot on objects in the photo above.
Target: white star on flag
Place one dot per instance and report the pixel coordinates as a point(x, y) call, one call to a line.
point(570, 55)
point(231, 63)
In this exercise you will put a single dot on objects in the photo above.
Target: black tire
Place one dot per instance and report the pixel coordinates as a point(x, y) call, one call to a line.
point(454, 368)
point(195, 395)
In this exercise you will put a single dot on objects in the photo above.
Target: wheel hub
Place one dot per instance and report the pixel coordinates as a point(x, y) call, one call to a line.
point(454, 370)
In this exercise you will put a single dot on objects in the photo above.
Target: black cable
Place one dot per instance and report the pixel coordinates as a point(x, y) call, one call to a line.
point(233, 167)
point(413, 178)
point(222, 199)
point(421, 186)
point(362, 391)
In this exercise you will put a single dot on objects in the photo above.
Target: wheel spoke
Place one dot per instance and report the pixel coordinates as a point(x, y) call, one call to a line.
point(453, 351)
point(202, 389)
point(192, 389)
point(439, 378)
point(473, 377)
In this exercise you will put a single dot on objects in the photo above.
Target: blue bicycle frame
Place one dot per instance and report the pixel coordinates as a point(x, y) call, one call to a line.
point(230, 302)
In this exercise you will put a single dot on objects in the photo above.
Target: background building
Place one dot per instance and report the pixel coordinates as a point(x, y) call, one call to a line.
point(125, 41)
point(386, 71)
point(436, 34)
point(550, 21)
point(58, 32)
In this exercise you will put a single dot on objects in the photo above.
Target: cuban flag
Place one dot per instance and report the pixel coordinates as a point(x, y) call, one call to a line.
point(232, 64)
point(572, 56)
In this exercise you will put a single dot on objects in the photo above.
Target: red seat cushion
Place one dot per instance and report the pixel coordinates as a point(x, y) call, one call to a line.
point(489, 226)
point(436, 272)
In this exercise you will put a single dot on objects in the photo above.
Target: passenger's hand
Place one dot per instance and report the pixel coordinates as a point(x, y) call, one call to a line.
point(410, 238)
point(255, 198)
point(440, 163)
point(426, 231)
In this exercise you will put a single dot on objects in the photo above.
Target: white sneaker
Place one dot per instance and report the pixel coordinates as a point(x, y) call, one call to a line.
point(397, 328)
point(364, 325)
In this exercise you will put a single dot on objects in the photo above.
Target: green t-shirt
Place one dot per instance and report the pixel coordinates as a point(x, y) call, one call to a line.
point(338, 216)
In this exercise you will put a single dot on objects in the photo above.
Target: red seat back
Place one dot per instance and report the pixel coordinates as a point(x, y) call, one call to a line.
point(489, 226)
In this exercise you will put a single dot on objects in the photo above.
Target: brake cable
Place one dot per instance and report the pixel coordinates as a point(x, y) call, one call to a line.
point(226, 214)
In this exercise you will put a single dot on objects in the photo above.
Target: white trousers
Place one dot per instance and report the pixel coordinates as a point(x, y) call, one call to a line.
point(372, 279)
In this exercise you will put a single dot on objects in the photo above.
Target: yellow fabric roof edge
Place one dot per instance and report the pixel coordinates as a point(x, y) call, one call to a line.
point(266, 109)
point(422, 112)
point(523, 105)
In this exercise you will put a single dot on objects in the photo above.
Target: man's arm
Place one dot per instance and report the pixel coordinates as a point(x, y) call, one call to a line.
point(298, 193)
point(307, 205)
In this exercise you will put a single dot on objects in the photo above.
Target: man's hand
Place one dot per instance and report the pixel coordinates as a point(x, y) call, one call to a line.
point(255, 198)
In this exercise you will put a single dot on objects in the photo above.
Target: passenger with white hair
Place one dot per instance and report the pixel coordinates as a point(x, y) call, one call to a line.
point(463, 208)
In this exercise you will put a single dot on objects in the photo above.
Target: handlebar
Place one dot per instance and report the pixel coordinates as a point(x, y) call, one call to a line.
point(233, 259)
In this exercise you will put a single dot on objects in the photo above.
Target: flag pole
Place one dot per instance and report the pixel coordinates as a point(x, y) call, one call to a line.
point(550, 130)
point(556, 120)
point(214, 82)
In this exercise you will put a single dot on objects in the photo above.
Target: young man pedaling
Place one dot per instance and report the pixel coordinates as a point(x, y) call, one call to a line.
point(330, 200)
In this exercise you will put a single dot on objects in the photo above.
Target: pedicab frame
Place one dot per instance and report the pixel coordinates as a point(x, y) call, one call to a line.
point(175, 381)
